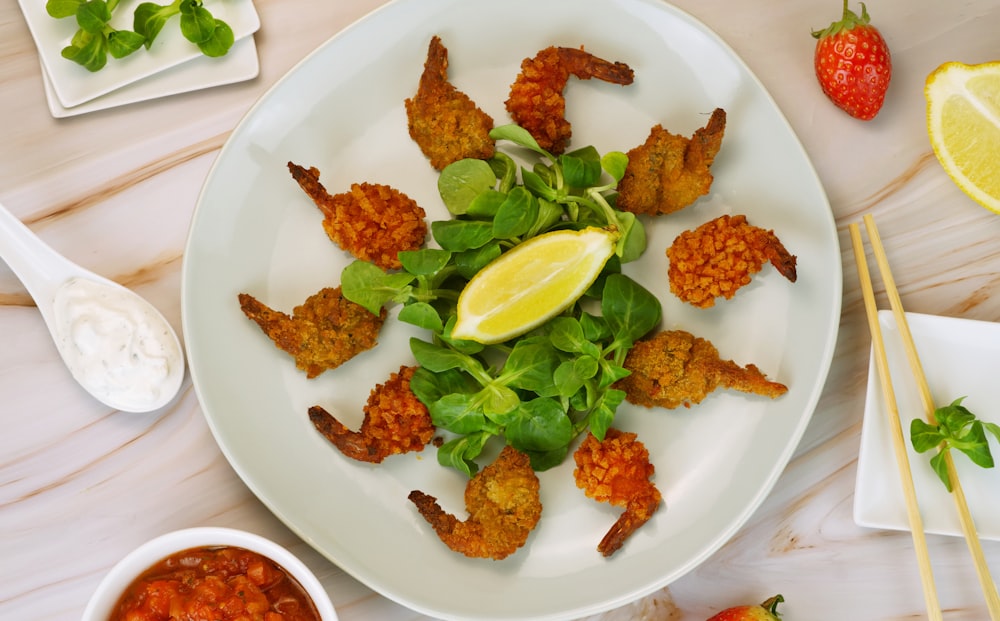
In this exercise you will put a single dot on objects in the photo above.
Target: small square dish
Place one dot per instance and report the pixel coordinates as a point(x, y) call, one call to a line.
point(238, 65)
point(960, 358)
point(74, 85)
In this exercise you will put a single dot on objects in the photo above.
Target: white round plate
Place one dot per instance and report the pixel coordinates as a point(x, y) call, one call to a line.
point(341, 110)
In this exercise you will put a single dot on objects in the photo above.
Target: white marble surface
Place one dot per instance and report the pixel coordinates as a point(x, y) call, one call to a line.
point(114, 190)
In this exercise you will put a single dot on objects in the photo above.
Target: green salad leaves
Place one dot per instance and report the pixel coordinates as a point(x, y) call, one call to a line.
point(96, 38)
point(541, 390)
point(957, 428)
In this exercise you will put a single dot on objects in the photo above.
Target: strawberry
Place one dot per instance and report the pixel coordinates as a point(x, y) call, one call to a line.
point(768, 611)
point(853, 64)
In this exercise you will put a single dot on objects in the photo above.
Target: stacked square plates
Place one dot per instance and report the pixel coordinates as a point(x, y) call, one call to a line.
point(171, 65)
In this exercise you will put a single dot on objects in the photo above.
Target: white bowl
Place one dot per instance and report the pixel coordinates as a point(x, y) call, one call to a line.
point(110, 589)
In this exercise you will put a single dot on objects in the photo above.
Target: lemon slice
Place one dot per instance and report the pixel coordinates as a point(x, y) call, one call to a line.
point(963, 122)
point(531, 283)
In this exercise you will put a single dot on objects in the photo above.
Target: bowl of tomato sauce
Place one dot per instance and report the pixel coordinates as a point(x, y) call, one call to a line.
point(210, 573)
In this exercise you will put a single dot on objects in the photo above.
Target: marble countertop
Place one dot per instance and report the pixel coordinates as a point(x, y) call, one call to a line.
point(114, 190)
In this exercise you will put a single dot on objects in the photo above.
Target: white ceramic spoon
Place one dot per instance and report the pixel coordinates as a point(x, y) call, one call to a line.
point(115, 343)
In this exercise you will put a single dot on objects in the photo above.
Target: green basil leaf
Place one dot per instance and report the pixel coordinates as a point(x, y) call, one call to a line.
point(462, 181)
point(422, 315)
point(121, 43)
point(615, 163)
point(941, 468)
point(62, 8)
point(604, 414)
point(486, 205)
point(93, 16)
point(92, 55)
point(515, 215)
point(581, 168)
point(460, 453)
point(461, 235)
point(424, 262)
point(541, 425)
point(458, 413)
point(197, 22)
point(471, 261)
point(149, 19)
point(924, 436)
point(220, 41)
point(368, 285)
point(630, 310)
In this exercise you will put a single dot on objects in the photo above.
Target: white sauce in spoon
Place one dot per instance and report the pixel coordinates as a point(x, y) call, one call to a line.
point(116, 345)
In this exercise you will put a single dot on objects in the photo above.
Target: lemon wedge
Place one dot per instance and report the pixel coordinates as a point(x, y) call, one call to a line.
point(963, 122)
point(531, 283)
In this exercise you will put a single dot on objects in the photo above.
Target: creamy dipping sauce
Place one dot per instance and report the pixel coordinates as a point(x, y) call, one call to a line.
point(116, 345)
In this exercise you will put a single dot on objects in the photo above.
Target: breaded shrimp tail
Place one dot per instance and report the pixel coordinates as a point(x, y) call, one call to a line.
point(536, 101)
point(373, 222)
point(395, 422)
point(720, 256)
point(617, 470)
point(444, 122)
point(669, 172)
point(322, 333)
point(503, 504)
point(675, 368)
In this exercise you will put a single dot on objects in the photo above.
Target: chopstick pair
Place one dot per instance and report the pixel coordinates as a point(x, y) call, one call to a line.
point(899, 445)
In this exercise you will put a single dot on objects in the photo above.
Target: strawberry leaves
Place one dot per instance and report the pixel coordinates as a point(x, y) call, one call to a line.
point(957, 428)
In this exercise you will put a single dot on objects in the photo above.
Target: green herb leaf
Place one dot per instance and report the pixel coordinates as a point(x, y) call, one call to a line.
point(924, 436)
point(463, 181)
point(461, 235)
point(541, 425)
point(121, 43)
point(515, 215)
point(368, 285)
point(197, 22)
point(93, 16)
point(149, 19)
point(62, 8)
point(220, 41)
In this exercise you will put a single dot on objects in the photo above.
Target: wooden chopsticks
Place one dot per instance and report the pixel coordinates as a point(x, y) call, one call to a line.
point(899, 444)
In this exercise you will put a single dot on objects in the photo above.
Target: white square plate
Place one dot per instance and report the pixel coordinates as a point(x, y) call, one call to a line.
point(960, 358)
point(239, 64)
point(73, 85)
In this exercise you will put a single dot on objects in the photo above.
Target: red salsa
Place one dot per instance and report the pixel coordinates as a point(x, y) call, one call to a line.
point(215, 584)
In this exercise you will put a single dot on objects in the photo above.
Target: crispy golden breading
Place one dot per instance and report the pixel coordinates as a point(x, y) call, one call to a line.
point(503, 505)
point(669, 172)
point(675, 368)
point(373, 222)
point(720, 256)
point(617, 470)
point(536, 101)
point(395, 422)
point(442, 120)
point(323, 332)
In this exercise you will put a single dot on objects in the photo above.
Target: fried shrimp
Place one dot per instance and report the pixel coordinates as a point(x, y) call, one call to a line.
point(669, 172)
point(536, 100)
point(322, 333)
point(720, 256)
point(444, 122)
point(503, 505)
point(373, 222)
point(395, 422)
point(675, 368)
point(617, 470)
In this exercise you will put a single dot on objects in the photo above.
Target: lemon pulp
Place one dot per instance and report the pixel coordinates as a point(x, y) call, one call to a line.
point(531, 283)
point(963, 123)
